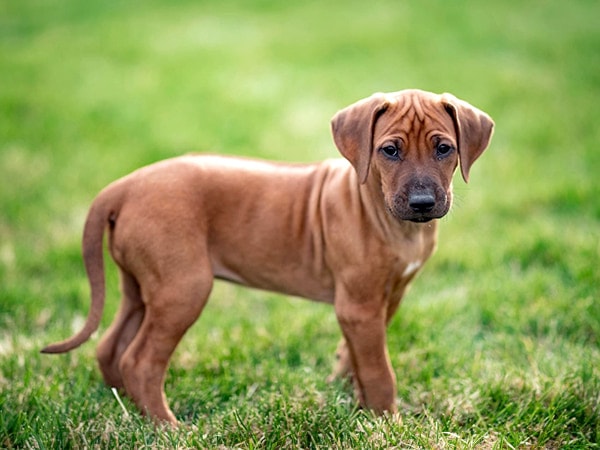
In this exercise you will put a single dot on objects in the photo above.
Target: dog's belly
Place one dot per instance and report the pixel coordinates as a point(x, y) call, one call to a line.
point(283, 276)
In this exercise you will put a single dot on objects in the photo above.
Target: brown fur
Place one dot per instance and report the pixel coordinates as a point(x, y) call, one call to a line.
point(353, 235)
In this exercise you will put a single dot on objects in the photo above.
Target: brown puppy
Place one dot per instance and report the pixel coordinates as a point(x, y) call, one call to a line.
point(353, 235)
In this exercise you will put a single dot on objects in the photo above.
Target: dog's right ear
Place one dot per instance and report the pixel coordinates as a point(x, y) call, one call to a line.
point(353, 129)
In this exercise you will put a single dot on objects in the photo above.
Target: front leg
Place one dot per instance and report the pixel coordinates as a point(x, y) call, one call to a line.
point(364, 328)
point(342, 368)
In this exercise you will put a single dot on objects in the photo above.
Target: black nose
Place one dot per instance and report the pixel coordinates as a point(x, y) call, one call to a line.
point(421, 203)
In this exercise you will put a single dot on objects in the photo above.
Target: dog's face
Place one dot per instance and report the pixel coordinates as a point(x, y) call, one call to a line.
point(414, 157)
point(408, 144)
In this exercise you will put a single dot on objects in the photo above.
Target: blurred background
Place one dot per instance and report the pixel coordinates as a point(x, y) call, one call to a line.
point(91, 90)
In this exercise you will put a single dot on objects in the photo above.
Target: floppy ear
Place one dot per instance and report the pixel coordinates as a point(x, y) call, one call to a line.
point(473, 130)
point(353, 128)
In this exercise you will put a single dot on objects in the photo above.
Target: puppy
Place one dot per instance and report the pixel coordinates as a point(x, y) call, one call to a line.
point(352, 233)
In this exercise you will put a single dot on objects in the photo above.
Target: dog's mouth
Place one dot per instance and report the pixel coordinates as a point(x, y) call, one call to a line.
point(421, 219)
point(410, 216)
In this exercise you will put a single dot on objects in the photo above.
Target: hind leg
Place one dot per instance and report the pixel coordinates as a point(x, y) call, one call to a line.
point(121, 332)
point(170, 310)
point(343, 366)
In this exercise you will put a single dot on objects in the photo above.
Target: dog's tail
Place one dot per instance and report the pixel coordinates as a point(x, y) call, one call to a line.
point(102, 213)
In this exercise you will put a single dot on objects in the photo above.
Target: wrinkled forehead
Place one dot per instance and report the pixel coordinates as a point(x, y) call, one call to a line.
point(414, 114)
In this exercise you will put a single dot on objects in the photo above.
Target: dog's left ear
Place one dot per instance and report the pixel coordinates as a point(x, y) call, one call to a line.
point(353, 128)
point(474, 130)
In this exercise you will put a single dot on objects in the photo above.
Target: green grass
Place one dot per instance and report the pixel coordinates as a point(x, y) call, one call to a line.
point(497, 345)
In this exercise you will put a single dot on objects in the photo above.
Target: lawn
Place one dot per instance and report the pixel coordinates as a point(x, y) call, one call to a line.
point(497, 345)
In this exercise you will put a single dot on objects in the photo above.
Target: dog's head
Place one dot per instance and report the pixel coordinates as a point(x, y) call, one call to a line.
point(408, 144)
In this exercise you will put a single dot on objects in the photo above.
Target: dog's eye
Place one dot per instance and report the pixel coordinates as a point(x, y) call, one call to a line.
point(443, 150)
point(391, 151)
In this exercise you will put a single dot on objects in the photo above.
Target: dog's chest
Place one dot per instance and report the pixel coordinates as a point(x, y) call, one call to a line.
point(412, 252)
